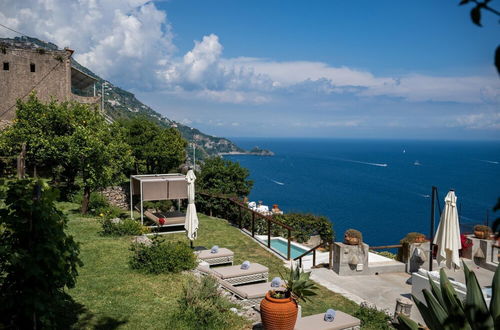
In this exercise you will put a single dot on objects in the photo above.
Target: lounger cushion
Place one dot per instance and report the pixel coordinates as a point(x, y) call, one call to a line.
point(255, 290)
point(236, 271)
point(317, 322)
point(206, 254)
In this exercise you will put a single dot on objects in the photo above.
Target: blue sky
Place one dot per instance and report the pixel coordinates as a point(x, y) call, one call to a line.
point(353, 69)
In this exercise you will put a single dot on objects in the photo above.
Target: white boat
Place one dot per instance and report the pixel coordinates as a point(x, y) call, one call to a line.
point(417, 163)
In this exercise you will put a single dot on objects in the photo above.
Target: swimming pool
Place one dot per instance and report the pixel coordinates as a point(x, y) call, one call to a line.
point(281, 246)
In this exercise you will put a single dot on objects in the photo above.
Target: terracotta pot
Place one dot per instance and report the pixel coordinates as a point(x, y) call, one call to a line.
point(351, 240)
point(420, 239)
point(481, 234)
point(278, 314)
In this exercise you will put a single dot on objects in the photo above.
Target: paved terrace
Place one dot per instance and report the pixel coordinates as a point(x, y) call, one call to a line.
point(383, 290)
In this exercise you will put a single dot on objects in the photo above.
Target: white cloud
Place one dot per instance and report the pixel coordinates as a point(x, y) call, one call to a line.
point(130, 43)
point(123, 41)
point(477, 121)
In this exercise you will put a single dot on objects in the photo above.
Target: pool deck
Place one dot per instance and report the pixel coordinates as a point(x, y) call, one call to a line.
point(382, 290)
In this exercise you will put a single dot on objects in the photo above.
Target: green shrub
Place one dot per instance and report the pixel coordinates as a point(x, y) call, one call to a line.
point(387, 254)
point(38, 259)
point(306, 225)
point(98, 204)
point(122, 228)
point(162, 257)
point(371, 318)
point(202, 307)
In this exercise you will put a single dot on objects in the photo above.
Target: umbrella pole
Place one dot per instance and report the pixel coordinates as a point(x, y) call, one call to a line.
point(433, 214)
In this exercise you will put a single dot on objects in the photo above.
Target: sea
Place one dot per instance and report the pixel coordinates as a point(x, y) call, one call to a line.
point(380, 187)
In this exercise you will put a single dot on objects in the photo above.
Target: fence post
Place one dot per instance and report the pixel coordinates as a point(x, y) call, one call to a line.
point(289, 250)
point(253, 224)
point(314, 257)
point(268, 233)
point(330, 259)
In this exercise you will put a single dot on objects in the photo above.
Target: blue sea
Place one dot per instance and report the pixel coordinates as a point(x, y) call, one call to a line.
point(380, 187)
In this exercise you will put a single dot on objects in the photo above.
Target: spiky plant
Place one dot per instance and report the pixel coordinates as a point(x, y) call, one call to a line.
point(445, 310)
point(297, 285)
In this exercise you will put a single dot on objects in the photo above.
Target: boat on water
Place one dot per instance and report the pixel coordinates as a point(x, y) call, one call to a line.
point(417, 163)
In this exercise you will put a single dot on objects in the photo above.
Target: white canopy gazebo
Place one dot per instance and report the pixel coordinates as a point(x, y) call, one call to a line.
point(158, 187)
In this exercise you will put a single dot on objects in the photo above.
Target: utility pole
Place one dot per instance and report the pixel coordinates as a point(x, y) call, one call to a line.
point(102, 96)
point(194, 156)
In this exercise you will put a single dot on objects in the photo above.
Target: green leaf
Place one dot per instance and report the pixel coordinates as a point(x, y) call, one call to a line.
point(405, 323)
point(426, 313)
point(495, 298)
point(475, 15)
point(476, 310)
point(438, 313)
point(435, 291)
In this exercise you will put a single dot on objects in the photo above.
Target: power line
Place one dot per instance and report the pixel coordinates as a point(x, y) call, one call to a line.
point(8, 28)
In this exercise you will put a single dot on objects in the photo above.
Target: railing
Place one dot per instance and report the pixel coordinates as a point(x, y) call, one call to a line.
point(254, 215)
point(385, 247)
point(313, 250)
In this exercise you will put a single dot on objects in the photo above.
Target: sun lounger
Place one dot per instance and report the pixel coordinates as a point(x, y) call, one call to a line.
point(342, 321)
point(174, 218)
point(235, 275)
point(250, 295)
point(223, 256)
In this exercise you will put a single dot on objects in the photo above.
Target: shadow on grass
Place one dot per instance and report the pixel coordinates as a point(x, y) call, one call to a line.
point(74, 315)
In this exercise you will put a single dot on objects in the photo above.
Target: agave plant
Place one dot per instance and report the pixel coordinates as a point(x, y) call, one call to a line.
point(297, 285)
point(445, 310)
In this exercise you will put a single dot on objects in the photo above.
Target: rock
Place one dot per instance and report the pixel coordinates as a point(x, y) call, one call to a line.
point(143, 239)
point(116, 220)
point(234, 310)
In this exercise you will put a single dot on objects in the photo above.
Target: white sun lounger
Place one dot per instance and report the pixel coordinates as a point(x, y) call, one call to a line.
point(235, 275)
point(250, 295)
point(223, 256)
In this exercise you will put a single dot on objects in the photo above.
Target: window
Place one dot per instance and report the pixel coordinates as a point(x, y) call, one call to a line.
point(32, 67)
point(6, 66)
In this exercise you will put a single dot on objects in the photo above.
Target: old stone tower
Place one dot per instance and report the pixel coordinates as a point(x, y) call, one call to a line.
point(25, 68)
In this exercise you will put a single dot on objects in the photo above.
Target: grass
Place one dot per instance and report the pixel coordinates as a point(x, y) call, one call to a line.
point(114, 295)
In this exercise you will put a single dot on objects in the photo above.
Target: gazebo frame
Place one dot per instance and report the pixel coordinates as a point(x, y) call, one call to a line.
point(157, 187)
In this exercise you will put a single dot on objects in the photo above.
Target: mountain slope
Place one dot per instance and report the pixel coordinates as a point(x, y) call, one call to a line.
point(121, 104)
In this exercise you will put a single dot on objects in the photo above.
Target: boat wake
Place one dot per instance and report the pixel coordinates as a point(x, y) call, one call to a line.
point(490, 162)
point(277, 182)
point(365, 163)
point(424, 196)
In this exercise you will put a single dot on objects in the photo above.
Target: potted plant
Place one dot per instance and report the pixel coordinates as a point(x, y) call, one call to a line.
point(279, 308)
point(482, 231)
point(410, 238)
point(353, 237)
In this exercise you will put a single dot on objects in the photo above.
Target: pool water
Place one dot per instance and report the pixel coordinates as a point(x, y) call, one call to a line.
point(282, 247)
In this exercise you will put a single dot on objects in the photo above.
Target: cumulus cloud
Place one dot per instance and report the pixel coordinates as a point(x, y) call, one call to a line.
point(130, 43)
point(123, 41)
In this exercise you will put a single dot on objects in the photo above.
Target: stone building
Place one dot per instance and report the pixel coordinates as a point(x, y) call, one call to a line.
point(25, 67)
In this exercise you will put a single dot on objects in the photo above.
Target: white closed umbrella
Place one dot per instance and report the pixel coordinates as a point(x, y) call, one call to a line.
point(448, 234)
point(191, 223)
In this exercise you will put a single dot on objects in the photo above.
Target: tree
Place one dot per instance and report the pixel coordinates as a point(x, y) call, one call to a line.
point(37, 258)
point(69, 139)
point(476, 14)
point(221, 177)
point(224, 177)
point(155, 149)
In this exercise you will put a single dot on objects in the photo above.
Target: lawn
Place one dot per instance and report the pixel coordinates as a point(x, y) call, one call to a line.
point(113, 295)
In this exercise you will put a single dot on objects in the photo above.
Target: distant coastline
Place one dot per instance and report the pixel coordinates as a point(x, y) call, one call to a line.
point(255, 151)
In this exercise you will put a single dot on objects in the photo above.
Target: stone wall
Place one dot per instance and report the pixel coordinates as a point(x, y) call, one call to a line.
point(117, 196)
